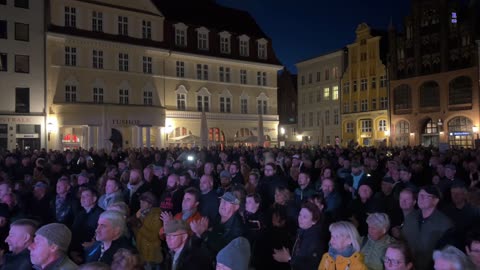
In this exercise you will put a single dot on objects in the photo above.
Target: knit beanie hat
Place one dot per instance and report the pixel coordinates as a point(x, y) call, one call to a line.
point(236, 254)
point(57, 234)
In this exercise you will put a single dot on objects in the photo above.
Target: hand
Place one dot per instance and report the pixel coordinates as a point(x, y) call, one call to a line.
point(200, 226)
point(88, 244)
point(166, 217)
point(281, 255)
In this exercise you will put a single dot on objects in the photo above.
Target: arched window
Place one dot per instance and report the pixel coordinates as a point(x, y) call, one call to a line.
point(402, 133)
point(181, 98)
point(402, 98)
point(460, 91)
point(431, 127)
point(216, 135)
point(430, 94)
point(460, 132)
point(203, 100)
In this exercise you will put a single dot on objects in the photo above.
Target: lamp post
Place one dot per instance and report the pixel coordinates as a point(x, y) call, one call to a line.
point(49, 130)
point(476, 141)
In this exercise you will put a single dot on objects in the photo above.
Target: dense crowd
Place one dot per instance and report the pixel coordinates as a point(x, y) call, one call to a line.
point(241, 208)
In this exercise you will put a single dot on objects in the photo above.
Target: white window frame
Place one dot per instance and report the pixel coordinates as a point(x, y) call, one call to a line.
point(244, 104)
point(225, 101)
point(262, 104)
point(203, 100)
point(180, 69)
point(382, 125)
point(326, 93)
point(366, 125)
point(146, 29)
point(225, 42)
point(98, 94)
point(336, 117)
point(97, 21)
point(71, 92)
point(182, 95)
point(147, 64)
point(123, 62)
point(202, 72)
point(350, 127)
point(123, 96)
point(244, 46)
point(383, 103)
point(180, 34)
point(364, 105)
point(202, 38)
point(70, 56)
point(262, 78)
point(327, 118)
point(363, 84)
point(335, 92)
point(262, 48)
point(97, 59)
point(70, 16)
point(243, 76)
point(122, 23)
point(148, 95)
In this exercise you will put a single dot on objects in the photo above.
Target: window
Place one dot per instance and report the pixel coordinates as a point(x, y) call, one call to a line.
point(327, 74)
point(310, 78)
point(310, 119)
point(335, 72)
point(319, 95)
point(346, 87)
point(3, 29)
point(203, 102)
point(181, 102)
point(346, 107)
point(382, 125)
point(350, 127)
point(402, 130)
point(303, 80)
point(3, 62)
point(243, 76)
point(383, 103)
point(97, 21)
point(244, 47)
point(123, 96)
point(224, 74)
point(123, 25)
point(180, 34)
point(202, 39)
point(225, 42)
point(363, 84)
point(303, 120)
point(180, 69)
point(98, 95)
point(70, 17)
point(402, 97)
point(355, 106)
point(97, 59)
point(327, 117)
point(146, 29)
point(354, 86)
point(374, 83)
point(335, 93)
point(22, 100)
point(262, 50)
point(374, 103)
point(454, 18)
point(460, 91)
point(21, 3)
point(366, 125)
point(225, 104)
point(22, 63)
point(319, 116)
point(202, 72)
point(70, 93)
point(364, 105)
point(148, 97)
point(383, 81)
point(336, 117)
point(22, 32)
point(262, 106)
point(261, 78)
point(326, 93)
point(147, 64)
point(429, 94)
point(70, 56)
point(318, 76)
point(244, 105)
point(123, 62)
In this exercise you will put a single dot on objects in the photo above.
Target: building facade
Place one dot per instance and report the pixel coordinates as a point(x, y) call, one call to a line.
point(319, 98)
point(364, 98)
point(287, 108)
point(434, 75)
point(22, 75)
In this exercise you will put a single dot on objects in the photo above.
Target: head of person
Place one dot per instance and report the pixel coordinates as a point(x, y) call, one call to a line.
point(450, 170)
point(303, 179)
point(122, 165)
point(398, 257)
point(407, 200)
point(309, 215)
point(378, 225)
point(473, 247)
point(327, 172)
point(458, 192)
point(176, 233)
point(428, 198)
point(269, 169)
point(135, 177)
point(88, 198)
point(387, 185)
point(318, 200)
point(206, 183)
point(451, 258)
point(50, 243)
point(126, 259)
point(148, 200)
point(184, 180)
point(120, 207)
point(225, 178)
point(40, 189)
point(356, 168)
point(405, 174)
point(282, 195)
point(296, 160)
point(253, 178)
point(208, 168)
point(234, 168)
point(235, 255)
point(21, 235)
point(252, 203)
point(94, 266)
point(344, 235)
point(5, 188)
point(328, 186)
point(111, 226)
point(63, 186)
point(83, 179)
point(172, 181)
point(148, 173)
point(365, 191)
point(112, 186)
point(191, 199)
point(229, 205)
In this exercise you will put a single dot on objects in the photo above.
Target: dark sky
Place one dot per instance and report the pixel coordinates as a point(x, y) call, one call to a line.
point(302, 29)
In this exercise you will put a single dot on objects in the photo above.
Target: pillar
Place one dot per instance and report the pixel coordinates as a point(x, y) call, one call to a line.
point(147, 134)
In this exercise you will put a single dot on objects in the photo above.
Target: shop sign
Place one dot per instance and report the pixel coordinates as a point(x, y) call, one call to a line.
point(16, 120)
point(125, 122)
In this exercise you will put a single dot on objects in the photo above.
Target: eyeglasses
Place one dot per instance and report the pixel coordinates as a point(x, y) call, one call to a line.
point(393, 262)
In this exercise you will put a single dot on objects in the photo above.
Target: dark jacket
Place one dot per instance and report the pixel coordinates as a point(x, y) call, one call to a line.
point(308, 248)
point(223, 233)
point(94, 252)
point(67, 211)
point(208, 206)
point(20, 261)
point(192, 257)
point(84, 226)
point(266, 188)
point(134, 200)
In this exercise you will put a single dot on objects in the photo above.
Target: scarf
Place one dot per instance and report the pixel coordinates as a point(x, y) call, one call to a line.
point(345, 253)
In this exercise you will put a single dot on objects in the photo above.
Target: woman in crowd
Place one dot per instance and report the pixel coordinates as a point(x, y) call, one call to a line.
point(373, 245)
point(344, 250)
point(398, 257)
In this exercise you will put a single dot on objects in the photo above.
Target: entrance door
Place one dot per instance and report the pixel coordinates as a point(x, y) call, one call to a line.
point(28, 143)
point(430, 140)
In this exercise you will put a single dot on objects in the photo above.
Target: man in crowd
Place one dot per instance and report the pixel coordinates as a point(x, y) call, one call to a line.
point(64, 205)
point(113, 194)
point(19, 238)
point(304, 190)
point(135, 188)
point(208, 206)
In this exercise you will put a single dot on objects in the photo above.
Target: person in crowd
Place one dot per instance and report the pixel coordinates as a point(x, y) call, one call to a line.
point(235, 255)
point(373, 245)
point(94, 266)
point(304, 190)
point(428, 228)
point(309, 244)
point(65, 205)
point(235, 174)
point(113, 194)
point(171, 198)
point(208, 206)
point(252, 183)
point(407, 202)
point(191, 200)
point(256, 226)
point(49, 248)
point(135, 188)
point(459, 210)
point(110, 236)
point(472, 247)
point(185, 254)
point(268, 185)
point(451, 258)
point(344, 249)
point(398, 257)
point(333, 199)
point(38, 206)
point(20, 237)
point(354, 180)
point(226, 184)
point(127, 259)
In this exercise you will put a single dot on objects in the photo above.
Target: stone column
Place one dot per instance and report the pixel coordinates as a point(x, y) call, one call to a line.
point(91, 136)
point(139, 137)
point(147, 134)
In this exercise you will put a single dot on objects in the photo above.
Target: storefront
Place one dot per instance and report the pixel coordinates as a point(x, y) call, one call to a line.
point(21, 132)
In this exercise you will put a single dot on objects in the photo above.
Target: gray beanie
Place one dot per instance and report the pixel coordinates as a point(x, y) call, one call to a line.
point(57, 234)
point(236, 254)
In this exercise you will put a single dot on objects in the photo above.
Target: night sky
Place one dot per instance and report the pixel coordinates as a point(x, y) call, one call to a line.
point(302, 29)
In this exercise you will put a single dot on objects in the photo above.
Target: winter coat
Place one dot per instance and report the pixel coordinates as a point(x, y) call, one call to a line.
point(149, 244)
point(308, 248)
point(354, 262)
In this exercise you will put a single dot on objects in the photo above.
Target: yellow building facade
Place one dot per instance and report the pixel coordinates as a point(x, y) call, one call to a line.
point(364, 98)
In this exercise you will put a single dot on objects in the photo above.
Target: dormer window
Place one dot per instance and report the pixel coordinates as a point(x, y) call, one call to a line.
point(225, 42)
point(202, 38)
point(244, 45)
point(180, 34)
point(262, 48)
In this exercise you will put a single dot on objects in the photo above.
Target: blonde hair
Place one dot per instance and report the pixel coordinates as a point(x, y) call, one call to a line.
point(346, 229)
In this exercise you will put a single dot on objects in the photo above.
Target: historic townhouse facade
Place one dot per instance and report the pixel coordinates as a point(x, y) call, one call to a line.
point(364, 98)
point(319, 98)
point(22, 75)
point(434, 75)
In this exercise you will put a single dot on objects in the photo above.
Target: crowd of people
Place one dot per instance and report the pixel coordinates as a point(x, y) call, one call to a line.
point(241, 208)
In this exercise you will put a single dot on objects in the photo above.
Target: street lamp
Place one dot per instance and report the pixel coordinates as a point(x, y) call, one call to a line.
point(49, 130)
point(475, 130)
